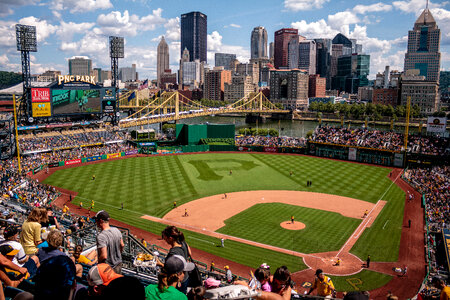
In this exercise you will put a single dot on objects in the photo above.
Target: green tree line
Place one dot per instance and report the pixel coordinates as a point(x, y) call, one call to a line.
point(8, 79)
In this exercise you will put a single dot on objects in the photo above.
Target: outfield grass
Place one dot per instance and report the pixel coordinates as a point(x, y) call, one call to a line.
point(261, 223)
point(149, 185)
point(363, 281)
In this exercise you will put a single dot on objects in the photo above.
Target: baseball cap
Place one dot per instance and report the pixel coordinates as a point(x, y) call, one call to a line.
point(211, 283)
point(318, 272)
point(176, 263)
point(101, 274)
point(102, 215)
point(10, 231)
point(8, 250)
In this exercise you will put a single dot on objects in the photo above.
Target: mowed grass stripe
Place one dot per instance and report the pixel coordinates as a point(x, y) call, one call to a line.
point(149, 185)
point(261, 223)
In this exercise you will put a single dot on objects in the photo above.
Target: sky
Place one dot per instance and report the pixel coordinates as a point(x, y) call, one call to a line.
point(67, 28)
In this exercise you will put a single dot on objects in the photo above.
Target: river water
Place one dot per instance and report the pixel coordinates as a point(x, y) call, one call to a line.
point(294, 128)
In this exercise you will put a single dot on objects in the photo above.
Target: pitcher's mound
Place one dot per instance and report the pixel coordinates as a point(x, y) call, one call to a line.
point(290, 226)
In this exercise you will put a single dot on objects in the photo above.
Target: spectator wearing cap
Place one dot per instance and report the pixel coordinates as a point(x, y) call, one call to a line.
point(229, 274)
point(99, 277)
point(30, 236)
point(20, 259)
point(323, 284)
point(11, 277)
point(170, 276)
point(109, 242)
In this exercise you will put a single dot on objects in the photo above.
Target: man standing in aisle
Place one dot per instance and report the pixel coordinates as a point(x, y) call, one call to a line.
point(109, 242)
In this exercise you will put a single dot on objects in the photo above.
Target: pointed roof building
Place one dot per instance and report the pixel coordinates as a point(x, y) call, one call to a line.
point(162, 58)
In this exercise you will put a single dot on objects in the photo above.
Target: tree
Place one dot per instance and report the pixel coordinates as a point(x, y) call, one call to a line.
point(314, 106)
point(8, 79)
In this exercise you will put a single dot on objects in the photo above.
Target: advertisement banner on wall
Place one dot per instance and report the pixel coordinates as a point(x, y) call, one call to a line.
point(398, 160)
point(72, 162)
point(133, 152)
point(94, 158)
point(435, 124)
point(113, 155)
point(270, 149)
point(352, 154)
point(41, 109)
point(40, 95)
point(243, 149)
point(53, 165)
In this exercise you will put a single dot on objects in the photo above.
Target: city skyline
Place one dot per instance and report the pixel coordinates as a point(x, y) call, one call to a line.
point(80, 28)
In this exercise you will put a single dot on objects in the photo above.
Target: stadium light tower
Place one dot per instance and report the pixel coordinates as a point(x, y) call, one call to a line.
point(26, 43)
point(116, 51)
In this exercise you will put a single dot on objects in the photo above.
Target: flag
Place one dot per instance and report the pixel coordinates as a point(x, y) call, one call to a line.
point(132, 96)
point(144, 85)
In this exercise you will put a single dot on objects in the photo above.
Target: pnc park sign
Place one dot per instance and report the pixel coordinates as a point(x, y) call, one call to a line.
point(71, 78)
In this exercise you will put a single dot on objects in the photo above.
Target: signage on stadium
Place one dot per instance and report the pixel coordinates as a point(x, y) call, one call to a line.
point(133, 152)
point(71, 78)
point(53, 165)
point(270, 149)
point(113, 155)
point(72, 162)
point(435, 124)
point(40, 95)
point(41, 109)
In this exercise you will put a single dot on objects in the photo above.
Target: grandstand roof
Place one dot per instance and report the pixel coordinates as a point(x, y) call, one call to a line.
point(18, 88)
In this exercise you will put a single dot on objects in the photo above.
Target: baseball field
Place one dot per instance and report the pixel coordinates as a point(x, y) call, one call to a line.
point(249, 199)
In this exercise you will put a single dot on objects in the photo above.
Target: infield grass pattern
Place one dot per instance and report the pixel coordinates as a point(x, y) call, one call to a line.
point(149, 185)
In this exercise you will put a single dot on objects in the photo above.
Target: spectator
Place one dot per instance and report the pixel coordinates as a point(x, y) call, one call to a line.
point(99, 277)
point(55, 240)
point(281, 282)
point(109, 242)
point(196, 293)
point(228, 274)
point(30, 235)
point(171, 274)
point(440, 284)
point(323, 284)
point(125, 287)
point(52, 220)
point(175, 238)
point(81, 259)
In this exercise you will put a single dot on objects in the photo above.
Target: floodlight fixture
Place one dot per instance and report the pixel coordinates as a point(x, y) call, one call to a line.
point(116, 47)
point(26, 38)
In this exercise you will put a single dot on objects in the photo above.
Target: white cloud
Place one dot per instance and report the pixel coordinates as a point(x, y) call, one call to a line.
point(114, 23)
point(7, 65)
point(43, 28)
point(7, 34)
point(376, 7)
point(415, 6)
point(215, 45)
point(341, 19)
point(67, 30)
point(173, 32)
point(442, 17)
point(298, 5)
point(232, 25)
point(80, 6)
point(6, 5)
point(319, 29)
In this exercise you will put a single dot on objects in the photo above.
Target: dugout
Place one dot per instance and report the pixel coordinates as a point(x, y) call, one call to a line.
point(187, 134)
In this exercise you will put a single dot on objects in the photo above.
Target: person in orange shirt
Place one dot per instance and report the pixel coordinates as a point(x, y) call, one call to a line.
point(440, 284)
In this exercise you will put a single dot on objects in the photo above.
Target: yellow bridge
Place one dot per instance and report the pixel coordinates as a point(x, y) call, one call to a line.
point(172, 106)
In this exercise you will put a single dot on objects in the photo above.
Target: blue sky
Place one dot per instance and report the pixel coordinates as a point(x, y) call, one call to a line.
point(68, 28)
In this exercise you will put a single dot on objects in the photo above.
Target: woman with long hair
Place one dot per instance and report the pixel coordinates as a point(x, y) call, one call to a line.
point(30, 236)
point(175, 238)
point(171, 275)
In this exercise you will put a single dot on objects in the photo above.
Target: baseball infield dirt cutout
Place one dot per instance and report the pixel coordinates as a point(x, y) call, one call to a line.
point(221, 208)
point(292, 226)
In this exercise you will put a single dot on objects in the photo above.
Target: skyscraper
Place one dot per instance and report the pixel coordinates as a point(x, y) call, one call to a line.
point(194, 35)
point(224, 60)
point(283, 38)
point(80, 65)
point(341, 46)
point(423, 47)
point(184, 58)
point(162, 58)
point(258, 43)
point(307, 56)
point(323, 59)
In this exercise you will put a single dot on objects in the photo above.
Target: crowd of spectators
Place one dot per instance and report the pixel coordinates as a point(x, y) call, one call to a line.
point(434, 184)
point(67, 138)
point(378, 139)
point(270, 141)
